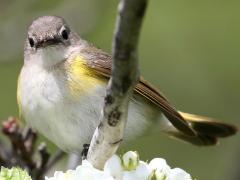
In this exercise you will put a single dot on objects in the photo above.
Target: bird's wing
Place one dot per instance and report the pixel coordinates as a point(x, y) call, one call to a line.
point(101, 63)
point(152, 94)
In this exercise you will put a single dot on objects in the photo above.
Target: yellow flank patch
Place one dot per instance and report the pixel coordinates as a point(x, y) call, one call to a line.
point(81, 78)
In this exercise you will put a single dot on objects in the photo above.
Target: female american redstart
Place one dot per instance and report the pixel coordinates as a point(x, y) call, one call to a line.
point(62, 86)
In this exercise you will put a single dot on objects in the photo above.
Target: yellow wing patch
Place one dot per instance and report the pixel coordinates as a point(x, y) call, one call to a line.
point(81, 78)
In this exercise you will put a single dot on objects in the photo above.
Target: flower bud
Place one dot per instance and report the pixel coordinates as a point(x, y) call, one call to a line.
point(130, 160)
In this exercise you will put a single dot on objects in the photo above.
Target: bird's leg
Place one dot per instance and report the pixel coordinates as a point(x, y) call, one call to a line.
point(85, 151)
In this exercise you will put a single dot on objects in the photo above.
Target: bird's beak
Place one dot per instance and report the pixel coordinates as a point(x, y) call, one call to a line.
point(47, 42)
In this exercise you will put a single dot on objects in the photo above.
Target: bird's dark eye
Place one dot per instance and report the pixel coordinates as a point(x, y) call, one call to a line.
point(64, 34)
point(31, 42)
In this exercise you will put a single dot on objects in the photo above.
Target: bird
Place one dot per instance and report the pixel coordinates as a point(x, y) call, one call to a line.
point(62, 85)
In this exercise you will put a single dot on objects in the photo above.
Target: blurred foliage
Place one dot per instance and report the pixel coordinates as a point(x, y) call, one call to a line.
point(14, 174)
point(189, 49)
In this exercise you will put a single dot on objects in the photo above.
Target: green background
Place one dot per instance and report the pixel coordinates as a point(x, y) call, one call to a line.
point(189, 49)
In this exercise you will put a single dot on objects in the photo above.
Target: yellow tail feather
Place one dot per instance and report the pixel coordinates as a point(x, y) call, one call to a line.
point(208, 126)
point(207, 130)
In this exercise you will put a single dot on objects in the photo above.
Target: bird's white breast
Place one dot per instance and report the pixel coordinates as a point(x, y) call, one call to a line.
point(47, 106)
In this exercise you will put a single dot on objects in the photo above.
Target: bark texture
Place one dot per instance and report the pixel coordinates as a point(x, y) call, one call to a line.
point(125, 75)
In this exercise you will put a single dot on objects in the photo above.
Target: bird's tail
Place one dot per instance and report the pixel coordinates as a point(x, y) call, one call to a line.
point(208, 130)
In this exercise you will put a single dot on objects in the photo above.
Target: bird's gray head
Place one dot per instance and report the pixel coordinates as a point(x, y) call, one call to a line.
point(48, 40)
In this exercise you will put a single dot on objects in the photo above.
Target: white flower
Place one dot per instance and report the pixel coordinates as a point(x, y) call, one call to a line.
point(85, 171)
point(157, 175)
point(141, 173)
point(128, 167)
point(113, 167)
point(143, 170)
point(130, 160)
point(178, 174)
point(160, 165)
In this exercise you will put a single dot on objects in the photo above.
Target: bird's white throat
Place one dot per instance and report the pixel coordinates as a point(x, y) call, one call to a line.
point(48, 57)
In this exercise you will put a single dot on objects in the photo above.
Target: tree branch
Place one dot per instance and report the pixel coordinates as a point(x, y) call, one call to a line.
point(125, 75)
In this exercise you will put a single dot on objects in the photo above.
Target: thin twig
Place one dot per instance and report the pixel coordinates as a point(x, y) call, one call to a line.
point(125, 75)
point(4, 155)
point(22, 150)
point(21, 147)
point(52, 161)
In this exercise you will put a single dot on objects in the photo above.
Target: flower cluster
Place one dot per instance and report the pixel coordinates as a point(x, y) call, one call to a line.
point(13, 174)
point(127, 167)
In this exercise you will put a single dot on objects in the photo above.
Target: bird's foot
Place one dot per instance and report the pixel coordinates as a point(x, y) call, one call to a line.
point(85, 151)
